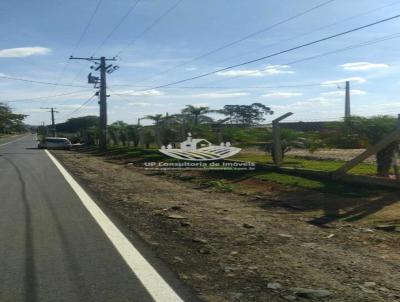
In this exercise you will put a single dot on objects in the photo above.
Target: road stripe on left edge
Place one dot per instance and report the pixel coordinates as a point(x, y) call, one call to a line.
point(157, 287)
point(16, 140)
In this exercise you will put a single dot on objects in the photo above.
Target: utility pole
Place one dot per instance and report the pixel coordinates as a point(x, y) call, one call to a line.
point(53, 122)
point(396, 155)
point(103, 105)
point(103, 68)
point(347, 112)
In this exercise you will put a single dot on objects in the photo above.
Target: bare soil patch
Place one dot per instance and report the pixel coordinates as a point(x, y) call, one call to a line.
point(262, 242)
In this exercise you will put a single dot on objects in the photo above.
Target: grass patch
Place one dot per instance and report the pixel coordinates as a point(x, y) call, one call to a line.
point(222, 185)
point(304, 182)
point(319, 165)
point(319, 185)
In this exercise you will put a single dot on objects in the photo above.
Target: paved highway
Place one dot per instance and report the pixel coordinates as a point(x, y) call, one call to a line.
point(57, 245)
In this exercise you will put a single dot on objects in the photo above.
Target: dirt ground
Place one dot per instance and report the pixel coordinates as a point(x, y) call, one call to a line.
point(265, 242)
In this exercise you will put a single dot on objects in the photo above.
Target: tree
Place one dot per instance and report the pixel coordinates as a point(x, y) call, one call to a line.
point(246, 114)
point(157, 120)
point(373, 130)
point(118, 132)
point(197, 114)
point(77, 124)
point(147, 137)
point(9, 121)
point(358, 132)
point(133, 134)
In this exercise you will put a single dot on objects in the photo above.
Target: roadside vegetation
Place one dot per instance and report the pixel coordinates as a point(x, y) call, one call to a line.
point(241, 125)
point(10, 122)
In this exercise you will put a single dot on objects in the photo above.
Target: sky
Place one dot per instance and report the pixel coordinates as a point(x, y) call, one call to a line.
point(159, 42)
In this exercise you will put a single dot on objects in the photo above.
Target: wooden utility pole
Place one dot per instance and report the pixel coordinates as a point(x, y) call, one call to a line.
point(53, 122)
point(276, 136)
point(395, 156)
point(347, 110)
point(103, 68)
point(103, 105)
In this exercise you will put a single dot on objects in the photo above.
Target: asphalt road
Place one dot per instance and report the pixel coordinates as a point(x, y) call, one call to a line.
point(51, 248)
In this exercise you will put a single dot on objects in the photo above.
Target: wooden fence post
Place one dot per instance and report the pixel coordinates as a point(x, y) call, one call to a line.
point(390, 138)
point(276, 136)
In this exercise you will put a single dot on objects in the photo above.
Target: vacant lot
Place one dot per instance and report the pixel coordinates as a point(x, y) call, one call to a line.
point(247, 238)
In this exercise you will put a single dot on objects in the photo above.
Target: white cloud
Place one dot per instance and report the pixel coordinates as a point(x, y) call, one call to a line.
point(218, 95)
point(30, 110)
point(281, 94)
point(151, 92)
point(23, 52)
point(268, 70)
point(342, 81)
point(362, 66)
point(342, 93)
point(277, 69)
point(304, 105)
point(140, 104)
point(153, 63)
point(320, 101)
point(143, 104)
point(241, 73)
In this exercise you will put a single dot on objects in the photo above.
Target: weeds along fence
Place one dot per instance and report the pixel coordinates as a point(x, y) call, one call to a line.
point(304, 142)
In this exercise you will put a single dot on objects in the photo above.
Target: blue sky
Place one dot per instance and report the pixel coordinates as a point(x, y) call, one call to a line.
point(37, 37)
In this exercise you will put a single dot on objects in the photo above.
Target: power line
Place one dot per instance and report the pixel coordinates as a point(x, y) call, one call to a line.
point(114, 29)
point(277, 53)
point(83, 34)
point(44, 97)
point(313, 31)
point(231, 88)
point(40, 82)
point(154, 23)
point(263, 30)
point(85, 30)
point(370, 42)
point(80, 107)
point(116, 26)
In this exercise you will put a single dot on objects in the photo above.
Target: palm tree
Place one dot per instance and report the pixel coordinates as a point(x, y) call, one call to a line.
point(183, 124)
point(197, 112)
point(157, 120)
point(117, 131)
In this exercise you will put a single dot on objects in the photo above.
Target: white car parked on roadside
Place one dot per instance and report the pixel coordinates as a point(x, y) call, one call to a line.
point(55, 143)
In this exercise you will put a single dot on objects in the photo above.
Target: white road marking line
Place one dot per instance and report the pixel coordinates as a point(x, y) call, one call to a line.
point(157, 287)
point(14, 141)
